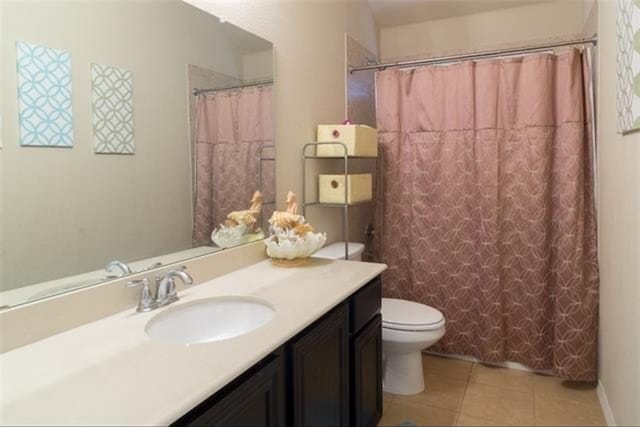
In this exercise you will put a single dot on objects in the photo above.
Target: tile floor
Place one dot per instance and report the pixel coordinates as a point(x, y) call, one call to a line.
point(471, 394)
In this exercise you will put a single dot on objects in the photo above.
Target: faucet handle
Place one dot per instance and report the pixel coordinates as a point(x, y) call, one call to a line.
point(146, 301)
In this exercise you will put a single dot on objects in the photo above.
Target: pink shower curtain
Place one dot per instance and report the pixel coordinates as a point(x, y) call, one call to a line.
point(488, 210)
point(231, 127)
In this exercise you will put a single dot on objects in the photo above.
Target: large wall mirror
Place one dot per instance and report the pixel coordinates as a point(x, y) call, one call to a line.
point(134, 134)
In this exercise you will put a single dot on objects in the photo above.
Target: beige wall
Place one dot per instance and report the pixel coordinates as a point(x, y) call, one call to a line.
point(68, 211)
point(619, 238)
point(590, 17)
point(483, 31)
point(258, 66)
point(308, 40)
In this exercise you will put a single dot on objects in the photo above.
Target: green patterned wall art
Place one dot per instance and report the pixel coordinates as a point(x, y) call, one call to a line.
point(628, 65)
point(112, 101)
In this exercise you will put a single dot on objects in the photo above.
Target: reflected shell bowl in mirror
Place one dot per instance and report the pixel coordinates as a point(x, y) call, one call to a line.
point(229, 237)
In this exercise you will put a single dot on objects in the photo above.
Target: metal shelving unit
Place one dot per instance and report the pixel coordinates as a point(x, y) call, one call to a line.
point(268, 158)
point(344, 206)
point(263, 158)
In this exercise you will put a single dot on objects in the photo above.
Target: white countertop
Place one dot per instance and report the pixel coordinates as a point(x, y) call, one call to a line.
point(110, 372)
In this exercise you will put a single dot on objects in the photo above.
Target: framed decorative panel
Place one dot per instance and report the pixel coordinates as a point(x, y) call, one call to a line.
point(112, 100)
point(628, 65)
point(44, 96)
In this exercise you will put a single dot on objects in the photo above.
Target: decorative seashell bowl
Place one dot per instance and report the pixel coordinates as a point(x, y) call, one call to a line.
point(287, 245)
point(292, 241)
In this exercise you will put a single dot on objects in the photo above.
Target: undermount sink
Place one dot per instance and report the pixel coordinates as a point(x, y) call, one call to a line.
point(208, 320)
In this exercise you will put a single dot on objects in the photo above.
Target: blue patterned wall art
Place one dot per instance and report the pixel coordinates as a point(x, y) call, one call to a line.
point(44, 96)
point(112, 99)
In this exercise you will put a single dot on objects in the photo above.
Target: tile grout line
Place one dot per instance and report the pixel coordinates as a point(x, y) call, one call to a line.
point(533, 390)
point(464, 394)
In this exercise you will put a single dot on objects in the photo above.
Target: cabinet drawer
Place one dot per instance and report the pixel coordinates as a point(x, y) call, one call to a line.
point(365, 304)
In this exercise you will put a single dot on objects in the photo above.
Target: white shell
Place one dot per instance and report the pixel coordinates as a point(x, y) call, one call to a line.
point(286, 244)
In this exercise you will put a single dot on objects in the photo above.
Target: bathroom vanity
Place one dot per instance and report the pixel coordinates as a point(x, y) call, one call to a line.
point(316, 362)
point(329, 374)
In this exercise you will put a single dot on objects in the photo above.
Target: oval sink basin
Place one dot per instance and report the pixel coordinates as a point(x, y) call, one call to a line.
point(208, 320)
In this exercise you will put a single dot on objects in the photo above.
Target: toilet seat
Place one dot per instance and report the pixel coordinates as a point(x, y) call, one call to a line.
point(402, 315)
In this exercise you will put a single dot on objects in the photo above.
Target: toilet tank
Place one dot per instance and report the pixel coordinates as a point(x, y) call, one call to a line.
point(336, 251)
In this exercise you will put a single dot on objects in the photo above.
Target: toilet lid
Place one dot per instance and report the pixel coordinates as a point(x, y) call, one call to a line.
point(403, 314)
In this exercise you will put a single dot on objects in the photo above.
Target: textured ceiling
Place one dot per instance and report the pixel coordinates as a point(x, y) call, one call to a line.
point(389, 13)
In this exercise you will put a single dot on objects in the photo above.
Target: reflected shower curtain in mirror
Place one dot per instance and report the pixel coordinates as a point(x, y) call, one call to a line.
point(488, 206)
point(231, 127)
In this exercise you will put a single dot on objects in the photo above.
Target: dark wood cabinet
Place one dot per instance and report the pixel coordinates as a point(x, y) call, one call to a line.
point(366, 391)
point(330, 374)
point(319, 369)
point(365, 304)
point(256, 398)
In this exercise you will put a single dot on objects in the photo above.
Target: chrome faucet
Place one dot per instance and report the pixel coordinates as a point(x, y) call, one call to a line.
point(166, 286)
point(118, 265)
point(165, 289)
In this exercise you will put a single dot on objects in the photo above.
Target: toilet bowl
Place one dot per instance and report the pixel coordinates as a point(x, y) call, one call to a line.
point(407, 329)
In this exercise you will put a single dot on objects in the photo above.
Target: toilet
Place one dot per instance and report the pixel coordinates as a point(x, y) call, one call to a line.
point(407, 328)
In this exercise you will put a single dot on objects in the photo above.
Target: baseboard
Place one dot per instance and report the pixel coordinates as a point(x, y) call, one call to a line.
point(510, 365)
point(604, 403)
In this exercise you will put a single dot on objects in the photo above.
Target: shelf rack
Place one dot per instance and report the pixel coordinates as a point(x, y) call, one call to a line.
point(262, 158)
point(345, 206)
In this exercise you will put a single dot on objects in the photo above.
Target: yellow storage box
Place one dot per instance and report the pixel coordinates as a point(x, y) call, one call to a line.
point(331, 188)
point(361, 140)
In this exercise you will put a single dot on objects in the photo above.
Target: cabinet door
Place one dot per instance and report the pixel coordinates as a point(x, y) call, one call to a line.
point(255, 399)
point(367, 374)
point(320, 372)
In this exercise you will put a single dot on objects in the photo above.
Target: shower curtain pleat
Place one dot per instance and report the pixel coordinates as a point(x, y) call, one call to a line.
point(488, 206)
point(231, 126)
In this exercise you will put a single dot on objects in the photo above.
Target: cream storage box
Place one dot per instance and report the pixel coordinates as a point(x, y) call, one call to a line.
point(361, 140)
point(331, 188)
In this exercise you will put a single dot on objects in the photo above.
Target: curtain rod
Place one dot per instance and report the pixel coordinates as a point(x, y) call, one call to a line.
point(479, 55)
point(197, 92)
